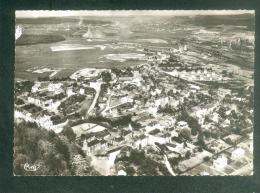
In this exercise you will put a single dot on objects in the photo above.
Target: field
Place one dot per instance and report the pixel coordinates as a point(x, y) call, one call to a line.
point(106, 42)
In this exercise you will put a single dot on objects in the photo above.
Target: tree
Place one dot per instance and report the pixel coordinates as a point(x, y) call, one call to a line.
point(207, 133)
point(63, 149)
point(206, 159)
point(116, 71)
point(201, 141)
point(19, 161)
point(194, 131)
point(193, 123)
point(51, 135)
point(130, 171)
point(106, 76)
point(222, 112)
point(187, 155)
point(215, 134)
point(82, 136)
point(32, 137)
point(69, 133)
point(186, 133)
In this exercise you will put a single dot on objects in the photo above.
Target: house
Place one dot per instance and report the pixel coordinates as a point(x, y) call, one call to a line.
point(182, 124)
point(55, 105)
point(155, 136)
point(153, 126)
point(103, 135)
point(112, 154)
point(217, 146)
point(238, 154)
point(85, 147)
point(162, 101)
point(87, 128)
point(69, 91)
point(118, 140)
point(82, 91)
point(126, 134)
point(121, 173)
point(220, 163)
point(89, 137)
point(215, 117)
point(57, 88)
point(94, 145)
point(35, 101)
point(152, 110)
point(179, 148)
point(103, 144)
point(174, 133)
point(45, 122)
point(50, 104)
point(233, 138)
point(35, 87)
point(141, 141)
point(194, 88)
point(222, 92)
point(126, 99)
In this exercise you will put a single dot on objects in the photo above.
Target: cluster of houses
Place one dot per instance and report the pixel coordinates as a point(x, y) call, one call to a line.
point(198, 75)
point(142, 93)
point(43, 120)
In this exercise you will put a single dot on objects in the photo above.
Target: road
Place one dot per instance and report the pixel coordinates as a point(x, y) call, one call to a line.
point(166, 161)
point(97, 89)
point(168, 165)
point(107, 104)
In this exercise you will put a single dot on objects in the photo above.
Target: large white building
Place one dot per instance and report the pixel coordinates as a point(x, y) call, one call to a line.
point(220, 163)
point(36, 87)
point(45, 122)
point(57, 88)
point(69, 92)
point(238, 154)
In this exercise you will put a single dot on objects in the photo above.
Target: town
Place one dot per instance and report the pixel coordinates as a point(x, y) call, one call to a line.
point(171, 115)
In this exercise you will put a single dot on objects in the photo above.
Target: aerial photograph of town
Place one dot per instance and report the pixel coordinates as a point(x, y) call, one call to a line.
point(134, 93)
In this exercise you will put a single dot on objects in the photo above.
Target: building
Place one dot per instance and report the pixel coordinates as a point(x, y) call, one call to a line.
point(126, 99)
point(161, 101)
point(233, 138)
point(57, 88)
point(82, 91)
point(223, 92)
point(45, 122)
point(155, 136)
point(121, 173)
point(238, 154)
point(182, 124)
point(94, 145)
point(53, 105)
point(69, 91)
point(152, 110)
point(35, 87)
point(141, 141)
point(220, 163)
point(85, 147)
point(34, 101)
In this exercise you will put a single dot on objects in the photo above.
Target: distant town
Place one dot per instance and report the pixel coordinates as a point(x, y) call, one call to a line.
point(170, 115)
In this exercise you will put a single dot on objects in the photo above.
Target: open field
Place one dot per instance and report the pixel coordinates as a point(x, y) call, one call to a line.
point(56, 46)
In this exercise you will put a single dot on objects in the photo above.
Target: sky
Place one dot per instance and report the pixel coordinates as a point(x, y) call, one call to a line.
point(41, 13)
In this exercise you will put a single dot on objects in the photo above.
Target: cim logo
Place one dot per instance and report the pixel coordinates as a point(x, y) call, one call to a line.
point(31, 168)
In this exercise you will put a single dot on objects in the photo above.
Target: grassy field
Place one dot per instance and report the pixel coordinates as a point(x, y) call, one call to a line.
point(38, 39)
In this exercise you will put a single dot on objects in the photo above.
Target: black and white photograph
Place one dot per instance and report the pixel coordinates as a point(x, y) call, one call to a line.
point(134, 93)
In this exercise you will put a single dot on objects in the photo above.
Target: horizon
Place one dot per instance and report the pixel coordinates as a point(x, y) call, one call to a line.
point(125, 13)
